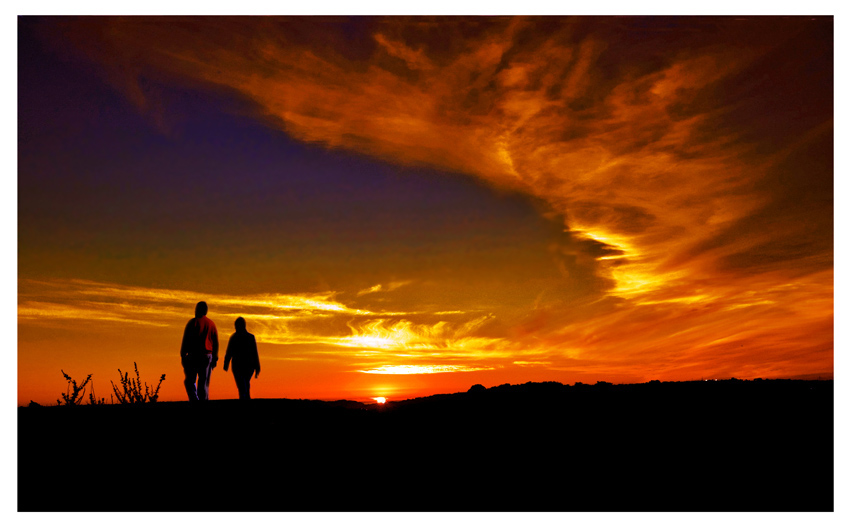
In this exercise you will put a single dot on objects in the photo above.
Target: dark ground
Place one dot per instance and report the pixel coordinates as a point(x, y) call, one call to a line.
point(694, 446)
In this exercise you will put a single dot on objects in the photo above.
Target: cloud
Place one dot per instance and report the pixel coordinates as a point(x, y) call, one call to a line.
point(373, 289)
point(607, 130)
point(674, 152)
point(86, 312)
point(294, 319)
point(421, 369)
point(390, 287)
point(414, 59)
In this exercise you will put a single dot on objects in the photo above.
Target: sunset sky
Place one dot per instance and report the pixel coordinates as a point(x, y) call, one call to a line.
point(408, 206)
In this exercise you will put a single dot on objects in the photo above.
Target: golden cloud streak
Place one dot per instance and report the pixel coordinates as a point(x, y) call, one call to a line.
point(117, 295)
point(421, 369)
point(276, 319)
point(86, 312)
point(763, 330)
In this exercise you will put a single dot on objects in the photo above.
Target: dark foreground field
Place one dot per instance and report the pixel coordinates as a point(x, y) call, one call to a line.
point(694, 446)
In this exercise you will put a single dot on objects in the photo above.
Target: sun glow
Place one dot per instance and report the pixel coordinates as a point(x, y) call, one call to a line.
point(380, 400)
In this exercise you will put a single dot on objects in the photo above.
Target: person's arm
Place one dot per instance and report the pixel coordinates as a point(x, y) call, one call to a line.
point(228, 353)
point(184, 346)
point(215, 346)
point(256, 356)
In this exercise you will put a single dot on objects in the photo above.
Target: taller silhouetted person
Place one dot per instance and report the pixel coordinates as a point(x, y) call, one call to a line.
point(199, 353)
point(242, 349)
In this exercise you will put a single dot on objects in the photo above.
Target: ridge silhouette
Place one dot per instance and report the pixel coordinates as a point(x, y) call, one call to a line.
point(726, 446)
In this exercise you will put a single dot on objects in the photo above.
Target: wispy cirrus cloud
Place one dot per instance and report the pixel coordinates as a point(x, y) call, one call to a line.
point(421, 369)
point(634, 145)
point(687, 161)
point(392, 286)
point(94, 300)
point(313, 320)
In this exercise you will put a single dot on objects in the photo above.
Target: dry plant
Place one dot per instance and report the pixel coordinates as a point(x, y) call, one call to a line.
point(73, 396)
point(131, 389)
point(93, 400)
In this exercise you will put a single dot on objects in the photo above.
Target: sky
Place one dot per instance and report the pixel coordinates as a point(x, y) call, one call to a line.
point(405, 206)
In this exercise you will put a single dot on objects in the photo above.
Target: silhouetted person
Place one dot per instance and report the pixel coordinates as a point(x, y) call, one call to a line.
point(242, 349)
point(199, 353)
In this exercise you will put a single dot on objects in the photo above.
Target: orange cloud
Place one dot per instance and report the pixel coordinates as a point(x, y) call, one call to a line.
point(695, 232)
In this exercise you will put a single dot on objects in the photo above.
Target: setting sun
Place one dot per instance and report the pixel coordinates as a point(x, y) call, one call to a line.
point(381, 400)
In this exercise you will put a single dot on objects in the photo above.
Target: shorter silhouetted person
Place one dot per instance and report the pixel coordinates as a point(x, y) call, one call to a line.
point(242, 350)
point(199, 353)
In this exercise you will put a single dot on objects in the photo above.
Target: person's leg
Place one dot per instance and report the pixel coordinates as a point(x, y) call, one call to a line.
point(245, 386)
point(204, 372)
point(191, 374)
point(241, 383)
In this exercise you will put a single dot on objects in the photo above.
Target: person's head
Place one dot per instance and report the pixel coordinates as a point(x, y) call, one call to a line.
point(240, 324)
point(201, 309)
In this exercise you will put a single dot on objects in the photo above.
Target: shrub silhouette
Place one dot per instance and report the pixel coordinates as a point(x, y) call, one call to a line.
point(477, 389)
point(131, 389)
point(74, 393)
point(93, 400)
